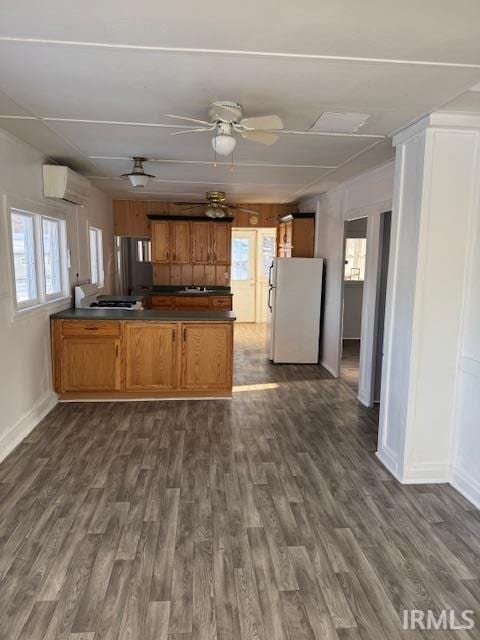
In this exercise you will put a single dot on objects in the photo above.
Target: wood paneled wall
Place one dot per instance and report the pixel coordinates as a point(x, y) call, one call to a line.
point(130, 216)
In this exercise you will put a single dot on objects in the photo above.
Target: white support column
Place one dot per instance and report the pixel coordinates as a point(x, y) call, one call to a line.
point(435, 197)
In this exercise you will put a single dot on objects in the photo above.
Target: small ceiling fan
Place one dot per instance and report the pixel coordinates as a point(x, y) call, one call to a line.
point(225, 119)
point(217, 205)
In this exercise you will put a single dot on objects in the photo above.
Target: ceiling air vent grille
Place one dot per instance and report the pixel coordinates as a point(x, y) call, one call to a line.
point(331, 121)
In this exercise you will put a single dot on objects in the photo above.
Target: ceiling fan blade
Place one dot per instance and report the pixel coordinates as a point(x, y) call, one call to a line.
point(262, 122)
point(188, 119)
point(192, 208)
point(199, 130)
point(232, 207)
point(263, 137)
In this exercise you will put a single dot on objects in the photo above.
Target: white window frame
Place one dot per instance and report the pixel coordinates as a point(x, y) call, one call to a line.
point(97, 280)
point(42, 298)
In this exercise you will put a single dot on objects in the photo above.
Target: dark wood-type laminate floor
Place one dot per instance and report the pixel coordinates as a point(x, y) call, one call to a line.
point(349, 371)
point(264, 518)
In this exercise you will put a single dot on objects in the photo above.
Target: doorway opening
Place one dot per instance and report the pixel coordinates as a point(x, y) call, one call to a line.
point(252, 253)
point(355, 255)
point(366, 256)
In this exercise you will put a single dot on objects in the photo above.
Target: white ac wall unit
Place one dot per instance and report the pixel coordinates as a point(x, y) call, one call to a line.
point(61, 183)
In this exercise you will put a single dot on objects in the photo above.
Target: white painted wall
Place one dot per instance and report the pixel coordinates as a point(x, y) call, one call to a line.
point(436, 199)
point(367, 195)
point(466, 466)
point(25, 378)
point(352, 310)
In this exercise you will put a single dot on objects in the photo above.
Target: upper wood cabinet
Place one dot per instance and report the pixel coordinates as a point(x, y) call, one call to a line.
point(160, 241)
point(296, 236)
point(206, 356)
point(201, 242)
point(90, 364)
point(151, 356)
point(222, 234)
point(179, 241)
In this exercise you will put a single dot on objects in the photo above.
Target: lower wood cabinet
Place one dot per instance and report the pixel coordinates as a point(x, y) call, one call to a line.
point(144, 358)
point(90, 364)
point(150, 356)
point(159, 301)
point(206, 356)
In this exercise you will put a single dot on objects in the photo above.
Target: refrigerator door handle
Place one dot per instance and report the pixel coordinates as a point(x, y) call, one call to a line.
point(269, 301)
point(270, 274)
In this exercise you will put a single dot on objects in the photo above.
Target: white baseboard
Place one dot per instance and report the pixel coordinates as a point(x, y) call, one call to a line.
point(328, 368)
point(388, 462)
point(18, 431)
point(427, 473)
point(364, 397)
point(466, 485)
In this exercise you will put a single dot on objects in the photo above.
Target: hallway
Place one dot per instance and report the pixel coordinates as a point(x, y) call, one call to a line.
point(266, 517)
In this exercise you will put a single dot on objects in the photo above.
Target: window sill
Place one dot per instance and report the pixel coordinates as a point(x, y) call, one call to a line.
point(354, 283)
point(52, 306)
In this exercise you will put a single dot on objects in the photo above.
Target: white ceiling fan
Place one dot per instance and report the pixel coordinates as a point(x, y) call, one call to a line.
point(217, 205)
point(225, 119)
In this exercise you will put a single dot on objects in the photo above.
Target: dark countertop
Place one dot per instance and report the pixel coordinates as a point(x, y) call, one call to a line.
point(161, 315)
point(181, 292)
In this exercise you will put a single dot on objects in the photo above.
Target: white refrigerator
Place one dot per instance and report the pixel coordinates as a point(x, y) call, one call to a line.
point(294, 305)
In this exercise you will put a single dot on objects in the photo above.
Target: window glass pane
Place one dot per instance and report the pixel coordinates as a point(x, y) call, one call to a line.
point(51, 256)
point(268, 253)
point(94, 257)
point(24, 257)
point(355, 253)
point(240, 259)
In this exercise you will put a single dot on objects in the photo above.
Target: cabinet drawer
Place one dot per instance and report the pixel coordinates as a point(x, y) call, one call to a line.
point(90, 328)
point(192, 302)
point(162, 302)
point(222, 302)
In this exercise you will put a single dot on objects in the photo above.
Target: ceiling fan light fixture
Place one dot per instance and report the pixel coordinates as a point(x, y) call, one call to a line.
point(223, 144)
point(138, 177)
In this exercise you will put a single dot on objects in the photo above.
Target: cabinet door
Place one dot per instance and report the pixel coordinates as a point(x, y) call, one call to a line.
point(222, 234)
point(180, 242)
point(207, 356)
point(201, 242)
point(90, 364)
point(160, 241)
point(289, 232)
point(150, 356)
point(162, 302)
point(192, 302)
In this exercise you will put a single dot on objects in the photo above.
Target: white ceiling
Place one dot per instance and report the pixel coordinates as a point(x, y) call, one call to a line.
point(90, 87)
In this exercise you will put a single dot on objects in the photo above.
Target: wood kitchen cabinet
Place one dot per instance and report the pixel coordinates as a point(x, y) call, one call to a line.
point(221, 243)
point(191, 302)
point(141, 358)
point(90, 364)
point(179, 242)
point(160, 241)
point(201, 242)
point(206, 356)
point(150, 356)
point(296, 235)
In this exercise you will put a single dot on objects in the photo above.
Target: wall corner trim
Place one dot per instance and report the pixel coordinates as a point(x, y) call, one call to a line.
point(25, 425)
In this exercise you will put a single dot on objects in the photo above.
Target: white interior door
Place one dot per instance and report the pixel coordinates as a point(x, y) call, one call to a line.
point(244, 274)
point(266, 251)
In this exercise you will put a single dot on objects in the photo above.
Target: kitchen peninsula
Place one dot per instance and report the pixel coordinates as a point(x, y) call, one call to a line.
point(136, 354)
